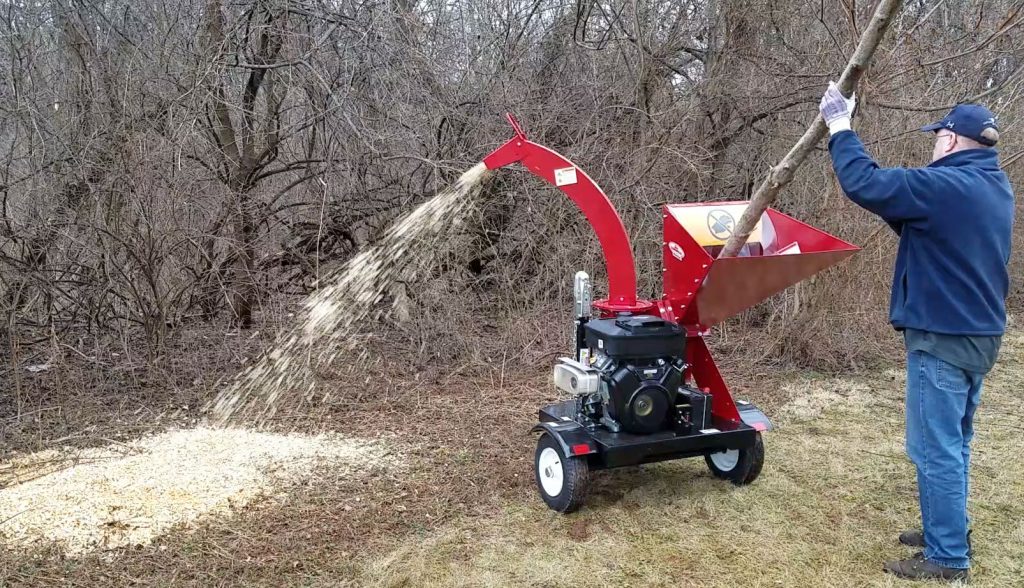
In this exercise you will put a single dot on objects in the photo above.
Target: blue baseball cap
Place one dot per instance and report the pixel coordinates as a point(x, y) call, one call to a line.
point(973, 121)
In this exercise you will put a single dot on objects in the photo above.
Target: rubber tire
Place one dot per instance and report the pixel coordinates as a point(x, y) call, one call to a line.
point(748, 466)
point(575, 476)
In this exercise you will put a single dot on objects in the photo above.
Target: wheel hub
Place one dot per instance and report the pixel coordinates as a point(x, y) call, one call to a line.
point(552, 476)
point(726, 460)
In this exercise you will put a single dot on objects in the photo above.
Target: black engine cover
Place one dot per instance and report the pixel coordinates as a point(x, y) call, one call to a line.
point(635, 337)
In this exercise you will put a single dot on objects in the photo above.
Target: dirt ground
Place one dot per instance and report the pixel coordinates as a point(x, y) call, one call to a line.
point(835, 491)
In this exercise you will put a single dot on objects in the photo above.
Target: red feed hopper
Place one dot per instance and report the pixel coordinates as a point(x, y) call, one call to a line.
point(701, 291)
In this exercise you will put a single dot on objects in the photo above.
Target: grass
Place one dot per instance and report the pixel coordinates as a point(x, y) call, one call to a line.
point(835, 492)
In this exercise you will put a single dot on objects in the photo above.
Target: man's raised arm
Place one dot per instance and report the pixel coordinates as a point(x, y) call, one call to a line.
point(895, 194)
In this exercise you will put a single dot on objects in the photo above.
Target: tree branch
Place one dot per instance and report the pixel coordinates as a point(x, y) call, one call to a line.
point(783, 173)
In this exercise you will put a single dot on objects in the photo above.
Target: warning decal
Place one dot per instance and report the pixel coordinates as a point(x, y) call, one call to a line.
point(565, 176)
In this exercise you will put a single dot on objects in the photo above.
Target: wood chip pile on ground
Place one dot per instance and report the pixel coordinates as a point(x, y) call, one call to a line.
point(127, 494)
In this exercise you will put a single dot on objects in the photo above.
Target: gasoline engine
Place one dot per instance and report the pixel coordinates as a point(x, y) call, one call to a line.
point(628, 372)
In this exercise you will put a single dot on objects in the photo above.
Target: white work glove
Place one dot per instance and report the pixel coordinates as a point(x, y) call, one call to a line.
point(837, 109)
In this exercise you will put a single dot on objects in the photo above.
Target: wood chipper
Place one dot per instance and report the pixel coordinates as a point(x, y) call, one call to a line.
point(642, 384)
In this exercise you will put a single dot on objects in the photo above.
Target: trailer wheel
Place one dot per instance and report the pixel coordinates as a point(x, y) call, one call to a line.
point(739, 466)
point(561, 480)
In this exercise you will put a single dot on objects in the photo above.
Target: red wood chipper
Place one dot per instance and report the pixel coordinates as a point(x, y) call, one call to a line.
point(643, 386)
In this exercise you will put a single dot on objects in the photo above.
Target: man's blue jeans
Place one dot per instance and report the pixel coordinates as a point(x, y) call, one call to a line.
point(941, 401)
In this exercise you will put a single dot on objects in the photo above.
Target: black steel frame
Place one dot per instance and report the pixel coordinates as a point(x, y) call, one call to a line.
point(624, 449)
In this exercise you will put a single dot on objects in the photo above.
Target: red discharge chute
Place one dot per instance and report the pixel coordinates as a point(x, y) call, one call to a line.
point(595, 206)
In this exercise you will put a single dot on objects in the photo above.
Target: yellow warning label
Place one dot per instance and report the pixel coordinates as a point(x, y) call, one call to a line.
point(712, 224)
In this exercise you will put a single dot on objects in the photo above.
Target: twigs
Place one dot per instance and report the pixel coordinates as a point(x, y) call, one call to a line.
point(1012, 77)
point(821, 19)
point(1009, 23)
point(910, 33)
point(1012, 159)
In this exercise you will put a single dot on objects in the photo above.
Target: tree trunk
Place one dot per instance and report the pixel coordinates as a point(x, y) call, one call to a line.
point(243, 292)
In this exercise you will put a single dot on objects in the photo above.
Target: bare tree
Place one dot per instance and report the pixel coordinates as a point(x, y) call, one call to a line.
point(174, 163)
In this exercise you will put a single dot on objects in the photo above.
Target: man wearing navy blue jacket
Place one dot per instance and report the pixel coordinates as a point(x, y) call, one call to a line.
point(954, 220)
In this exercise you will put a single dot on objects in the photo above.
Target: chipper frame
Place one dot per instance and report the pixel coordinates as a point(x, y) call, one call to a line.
point(643, 384)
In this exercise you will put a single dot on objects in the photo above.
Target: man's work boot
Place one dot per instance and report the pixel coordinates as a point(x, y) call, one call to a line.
point(915, 538)
point(919, 568)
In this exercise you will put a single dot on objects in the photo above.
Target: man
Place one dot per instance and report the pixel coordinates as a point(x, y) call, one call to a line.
point(954, 219)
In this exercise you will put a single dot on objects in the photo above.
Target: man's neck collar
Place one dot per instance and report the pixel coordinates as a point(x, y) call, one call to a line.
point(977, 156)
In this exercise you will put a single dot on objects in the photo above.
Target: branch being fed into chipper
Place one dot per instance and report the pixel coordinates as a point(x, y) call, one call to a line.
point(782, 174)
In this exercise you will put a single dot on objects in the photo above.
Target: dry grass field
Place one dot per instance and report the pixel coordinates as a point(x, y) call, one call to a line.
point(835, 492)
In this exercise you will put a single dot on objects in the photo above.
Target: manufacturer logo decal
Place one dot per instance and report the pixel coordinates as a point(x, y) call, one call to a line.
point(721, 224)
point(676, 250)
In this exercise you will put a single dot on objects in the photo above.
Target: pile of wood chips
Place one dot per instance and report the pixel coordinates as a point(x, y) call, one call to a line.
point(127, 494)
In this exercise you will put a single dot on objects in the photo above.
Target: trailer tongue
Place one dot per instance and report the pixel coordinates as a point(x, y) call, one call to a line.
point(643, 386)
